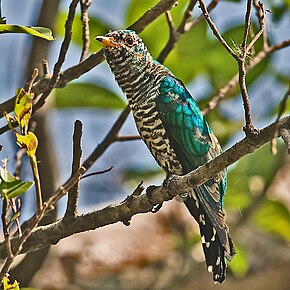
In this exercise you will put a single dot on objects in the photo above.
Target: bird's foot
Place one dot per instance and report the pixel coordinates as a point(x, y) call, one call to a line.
point(166, 185)
point(149, 192)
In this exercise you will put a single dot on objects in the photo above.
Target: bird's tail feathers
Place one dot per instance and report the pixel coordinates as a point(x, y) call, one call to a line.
point(215, 252)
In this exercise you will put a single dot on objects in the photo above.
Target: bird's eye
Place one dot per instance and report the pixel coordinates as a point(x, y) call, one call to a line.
point(129, 40)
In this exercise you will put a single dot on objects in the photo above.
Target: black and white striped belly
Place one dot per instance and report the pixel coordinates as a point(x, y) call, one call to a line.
point(154, 135)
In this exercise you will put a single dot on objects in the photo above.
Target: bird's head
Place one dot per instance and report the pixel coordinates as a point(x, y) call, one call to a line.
point(126, 44)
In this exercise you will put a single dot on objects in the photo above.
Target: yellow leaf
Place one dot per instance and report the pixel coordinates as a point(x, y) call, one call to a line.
point(8, 286)
point(28, 141)
point(23, 108)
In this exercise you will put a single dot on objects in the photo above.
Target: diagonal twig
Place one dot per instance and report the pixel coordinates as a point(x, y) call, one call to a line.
point(211, 105)
point(85, 4)
point(71, 207)
point(215, 30)
point(62, 54)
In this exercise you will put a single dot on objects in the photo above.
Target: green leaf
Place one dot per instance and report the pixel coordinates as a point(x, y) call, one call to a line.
point(274, 217)
point(87, 95)
point(41, 32)
point(11, 186)
point(251, 175)
point(240, 264)
point(97, 27)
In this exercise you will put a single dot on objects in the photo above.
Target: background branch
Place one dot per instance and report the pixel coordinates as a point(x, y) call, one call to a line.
point(71, 208)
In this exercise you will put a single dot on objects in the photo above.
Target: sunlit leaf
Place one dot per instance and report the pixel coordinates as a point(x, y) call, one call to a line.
point(7, 286)
point(87, 95)
point(240, 264)
point(274, 217)
point(23, 108)
point(11, 186)
point(41, 32)
point(28, 141)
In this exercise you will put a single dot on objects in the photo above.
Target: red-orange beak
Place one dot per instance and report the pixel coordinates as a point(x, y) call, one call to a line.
point(107, 41)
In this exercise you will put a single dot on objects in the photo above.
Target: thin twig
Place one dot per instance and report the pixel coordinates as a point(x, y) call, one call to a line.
point(128, 138)
point(85, 4)
point(183, 27)
point(259, 6)
point(187, 14)
point(71, 208)
point(262, 19)
point(249, 127)
point(5, 226)
point(28, 85)
point(216, 31)
point(62, 54)
point(234, 80)
point(282, 109)
point(170, 22)
point(189, 25)
point(246, 29)
point(241, 60)
point(97, 172)
point(45, 67)
point(36, 177)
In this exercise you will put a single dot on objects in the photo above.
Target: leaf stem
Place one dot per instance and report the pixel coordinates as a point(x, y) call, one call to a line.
point(36, 177)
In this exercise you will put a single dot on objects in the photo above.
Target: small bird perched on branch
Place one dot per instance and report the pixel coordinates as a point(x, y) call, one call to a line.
point(176, 133)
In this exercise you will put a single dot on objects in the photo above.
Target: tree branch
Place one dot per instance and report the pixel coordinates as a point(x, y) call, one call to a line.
point(233, 82)
point(85, 4)
point(134, 204)
point(71, 208)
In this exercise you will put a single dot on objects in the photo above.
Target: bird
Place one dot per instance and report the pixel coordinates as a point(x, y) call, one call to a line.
point(175, 131)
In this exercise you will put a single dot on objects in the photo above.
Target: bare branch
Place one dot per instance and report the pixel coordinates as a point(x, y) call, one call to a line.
point(246, 28)
point(97, 172)
point(233, 82)
point(71, 208)
point(216, 31)
point(128, 138)
point(183, 27)
point(259, 6)
point(262, 20)
point(62, 54)
point(85, 4)
point(51, 234)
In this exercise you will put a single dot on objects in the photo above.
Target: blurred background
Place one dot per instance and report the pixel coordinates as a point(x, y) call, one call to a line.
point(157, 251)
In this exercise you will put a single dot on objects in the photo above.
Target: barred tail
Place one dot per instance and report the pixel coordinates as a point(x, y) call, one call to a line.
point(214, 249)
